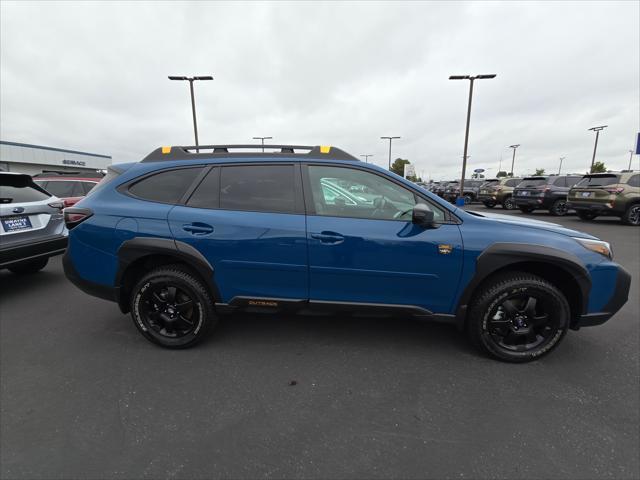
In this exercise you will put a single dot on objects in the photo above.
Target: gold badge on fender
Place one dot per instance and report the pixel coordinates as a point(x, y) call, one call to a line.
point(445, 249)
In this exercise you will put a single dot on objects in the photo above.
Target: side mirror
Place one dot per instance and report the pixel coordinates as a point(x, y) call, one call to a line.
point(422, 215)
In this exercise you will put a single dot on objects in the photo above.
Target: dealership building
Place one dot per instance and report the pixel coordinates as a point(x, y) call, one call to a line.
point(32, 159)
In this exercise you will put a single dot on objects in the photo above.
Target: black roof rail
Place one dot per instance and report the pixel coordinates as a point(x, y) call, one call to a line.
point(272, 151)
point(70, 173)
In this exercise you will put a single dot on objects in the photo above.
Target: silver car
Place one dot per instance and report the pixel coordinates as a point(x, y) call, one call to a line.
point(32, 226)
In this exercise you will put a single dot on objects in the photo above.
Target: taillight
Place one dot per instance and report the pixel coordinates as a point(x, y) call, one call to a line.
point(615, 191)
point(75, 216)
point(497, 189)
point(58, 205)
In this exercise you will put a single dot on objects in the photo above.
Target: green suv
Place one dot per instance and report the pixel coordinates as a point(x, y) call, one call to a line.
point(498, 191)
point(615, 194)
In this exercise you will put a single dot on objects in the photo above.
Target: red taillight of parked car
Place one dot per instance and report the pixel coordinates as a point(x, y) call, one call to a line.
point(58, 205)
point(615, 191)
point(75, 216)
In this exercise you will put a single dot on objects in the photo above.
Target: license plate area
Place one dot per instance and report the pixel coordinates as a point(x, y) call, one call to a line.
point(586, 194)
point(16, 223)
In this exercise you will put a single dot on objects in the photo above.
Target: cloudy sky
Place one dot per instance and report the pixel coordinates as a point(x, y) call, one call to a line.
point(93, 76)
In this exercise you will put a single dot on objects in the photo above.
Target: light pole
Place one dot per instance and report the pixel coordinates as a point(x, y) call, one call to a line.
point(193, 102)
point(471, 78)
point(366, 157)
point(560, 167)
point(262, 139)
point(630, 158)
point(513, 159)
point(390, 140)
point(595, 146)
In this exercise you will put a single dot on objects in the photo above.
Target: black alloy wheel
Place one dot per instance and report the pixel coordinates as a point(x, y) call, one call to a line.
point(559, 208)
point(172, 307)
point(489, 204)
point(508, 204)
point(632, 215)
point(586, 214)
point(518, 317)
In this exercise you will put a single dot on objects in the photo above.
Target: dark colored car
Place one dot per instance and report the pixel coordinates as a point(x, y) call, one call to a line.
point(498, 191)
point(187, 235)
point(546, 192)
point(614, 194)
point(32, 227)
point(471, 189)
point(71, 187)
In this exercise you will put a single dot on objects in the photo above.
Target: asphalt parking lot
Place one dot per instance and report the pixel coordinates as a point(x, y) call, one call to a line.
point(85, 396)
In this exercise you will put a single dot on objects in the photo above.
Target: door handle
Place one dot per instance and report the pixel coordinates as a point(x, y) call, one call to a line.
point(197, 228)
point(328, 237)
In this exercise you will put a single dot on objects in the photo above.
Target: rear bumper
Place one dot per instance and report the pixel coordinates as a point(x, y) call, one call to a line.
point(31, 251)
point(615, 303)
point(97, 290)
point(535, 202)
point(600, 208)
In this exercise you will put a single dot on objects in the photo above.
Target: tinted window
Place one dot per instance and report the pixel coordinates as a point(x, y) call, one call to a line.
point(558, 181)
point(375, 198)
point(64, 188)
point(598, 181)
point(634, 181)
point(259, 188)
point(87, 186)
point(207, 195)
point(489, 183)
point(571, 181)
point(165, 187)
point(532, 182)
point(20, 194)
point(513, 182)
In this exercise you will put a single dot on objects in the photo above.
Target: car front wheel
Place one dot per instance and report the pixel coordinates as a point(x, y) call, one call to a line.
point(518, 317)
point(632, 215)
point(172, 307)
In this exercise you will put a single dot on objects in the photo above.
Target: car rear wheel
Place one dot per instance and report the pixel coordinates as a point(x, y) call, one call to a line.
point(172, 307)
point(526, 209)
point(468, 199)
point(632, 215)
point(508, 204)
point(559, 208)
point(586, 214)
point(30, 266)
point(489, 204)
point(518, 317)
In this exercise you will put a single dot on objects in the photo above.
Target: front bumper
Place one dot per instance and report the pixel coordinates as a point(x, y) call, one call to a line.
point(615, 303)
point(33, 250)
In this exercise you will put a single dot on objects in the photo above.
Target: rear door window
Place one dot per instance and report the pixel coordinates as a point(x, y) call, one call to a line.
point(634, 181)
point(558, 181)
point(513, 182)
point(258, 188)
point(166, 187)
point(532, 182)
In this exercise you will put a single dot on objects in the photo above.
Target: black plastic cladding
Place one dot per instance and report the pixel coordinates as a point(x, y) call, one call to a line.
point(222, 151)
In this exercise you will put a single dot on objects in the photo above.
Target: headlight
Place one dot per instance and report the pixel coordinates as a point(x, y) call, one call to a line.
point(598, 246)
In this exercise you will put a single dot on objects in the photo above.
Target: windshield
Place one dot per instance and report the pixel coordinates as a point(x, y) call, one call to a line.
point(532, 182)
point(488, 183)
point(598, 181)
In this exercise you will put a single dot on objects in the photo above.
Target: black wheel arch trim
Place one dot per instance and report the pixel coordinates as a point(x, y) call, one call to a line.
point(501, 255)
point(140, 247)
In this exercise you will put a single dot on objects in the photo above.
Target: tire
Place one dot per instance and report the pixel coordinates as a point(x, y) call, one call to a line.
point(172, 307)
point(508, 204)
point(502, 323)
point(632, 215)
point(30, 266)
point(559, 208)
point(526, 209)
point(468, 199)
point(489, 204)
point(586, 215)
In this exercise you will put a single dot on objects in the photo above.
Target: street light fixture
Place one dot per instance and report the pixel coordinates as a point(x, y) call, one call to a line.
point(390, 140)
point(366, 157)
point(262, 139)
point(560, 167)
point(595, 146)
point(513, 159)
point(471, 79)
point(193, 102)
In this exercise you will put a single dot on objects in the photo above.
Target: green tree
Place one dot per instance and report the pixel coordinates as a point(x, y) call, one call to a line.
point(598, 167)
point(501, 173)
point(398, 166)
point(539, 171)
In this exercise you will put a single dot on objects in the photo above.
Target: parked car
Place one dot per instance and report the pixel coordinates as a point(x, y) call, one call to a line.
point(71, 187)
point(616, 194)
point(442, 187)
point(187, 235)
point(471, 189)
point(32, 227)
point(548, 192)
point(498, 191)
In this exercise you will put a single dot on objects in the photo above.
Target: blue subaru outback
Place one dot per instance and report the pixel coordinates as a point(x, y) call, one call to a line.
point(189, 234)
